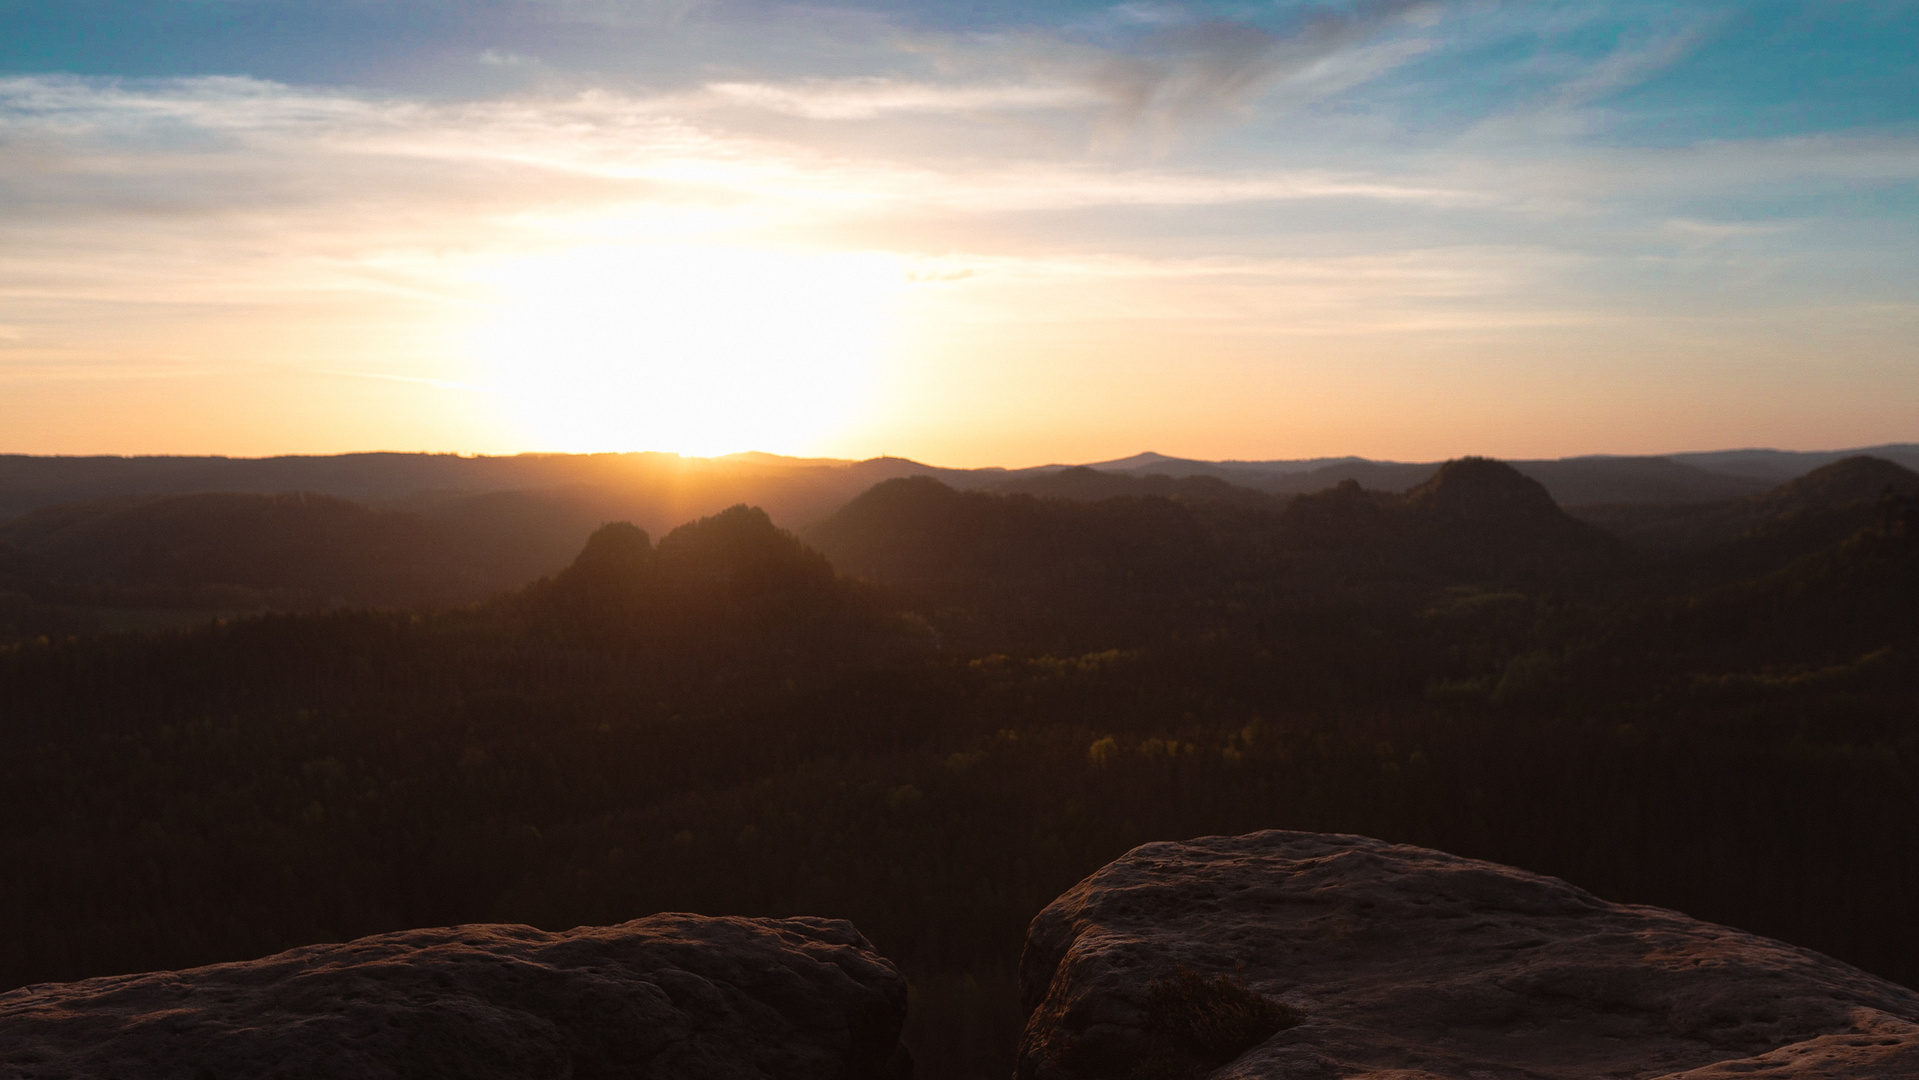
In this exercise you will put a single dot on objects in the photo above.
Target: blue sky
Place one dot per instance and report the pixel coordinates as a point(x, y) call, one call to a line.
point(1394, 228)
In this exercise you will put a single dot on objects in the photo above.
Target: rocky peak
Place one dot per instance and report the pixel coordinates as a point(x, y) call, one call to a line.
point(619, 550)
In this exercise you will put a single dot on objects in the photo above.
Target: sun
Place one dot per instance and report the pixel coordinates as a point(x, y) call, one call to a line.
point(700, 350)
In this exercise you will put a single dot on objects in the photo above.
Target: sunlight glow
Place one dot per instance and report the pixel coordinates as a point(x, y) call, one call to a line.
point(702, 350)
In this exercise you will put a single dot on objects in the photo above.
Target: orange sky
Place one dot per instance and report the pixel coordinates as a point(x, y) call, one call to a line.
point(967, 247)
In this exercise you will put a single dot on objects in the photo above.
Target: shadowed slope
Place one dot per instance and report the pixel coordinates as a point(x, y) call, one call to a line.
point(1818, 508)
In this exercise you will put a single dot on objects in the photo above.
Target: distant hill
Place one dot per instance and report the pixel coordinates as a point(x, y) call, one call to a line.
point(661, 491)
point(735, 571)
point(1777, 466)
point(1471, 519)
point(657, 491)
point(1845, 482)
point(1091, 485)
point(1689, 477)
point(1570, 481)
point(1832, 501)
point(918, 530)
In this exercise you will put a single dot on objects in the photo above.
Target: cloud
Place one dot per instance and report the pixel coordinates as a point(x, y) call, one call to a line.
point(1636, 61)
point(1200, 68)
point(223, 192)
point(874, 96)
point(501, 58)
point(127, 206)
point(1163, 67)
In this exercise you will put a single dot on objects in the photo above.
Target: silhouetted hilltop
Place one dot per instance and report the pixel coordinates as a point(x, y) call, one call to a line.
point(740, 552)
point(734, 570)
point(918, 530)
point(1774, 467)
point(1845, 482)
point(1570, 481)
point(1344, 515)
point(1822, 507)
point(618, 554)
point(1487, 510)
point(1473, 519)
point(1482, 491)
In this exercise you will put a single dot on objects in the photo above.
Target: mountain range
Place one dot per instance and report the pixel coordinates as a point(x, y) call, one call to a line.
point(133, 542)
point(668, 489)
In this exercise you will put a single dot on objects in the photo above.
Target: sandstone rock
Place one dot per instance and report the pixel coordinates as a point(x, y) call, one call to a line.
point(1404, 963)
point(667, 996)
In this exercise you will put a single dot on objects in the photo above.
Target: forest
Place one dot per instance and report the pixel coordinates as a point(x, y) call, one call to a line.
point(936, 709)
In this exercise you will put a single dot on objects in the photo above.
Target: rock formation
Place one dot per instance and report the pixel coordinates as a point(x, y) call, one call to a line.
point(1283, 954)
point(667, 996)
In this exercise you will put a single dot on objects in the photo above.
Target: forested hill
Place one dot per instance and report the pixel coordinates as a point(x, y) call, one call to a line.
point(721, 722)
point(1838, 498)
point(1474, 518)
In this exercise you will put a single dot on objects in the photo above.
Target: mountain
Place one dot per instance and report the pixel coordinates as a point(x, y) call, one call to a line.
point(659, 491)
point(735, 577)
point(1472, 519)
point(1777, 466)
point(1570, 481)
point(918, 530)
point(1237, 471)
point(1826, 504)
point(1846, 482)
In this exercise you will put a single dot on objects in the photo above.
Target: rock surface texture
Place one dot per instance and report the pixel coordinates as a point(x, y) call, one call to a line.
point(1400, 963)
point(671, 996)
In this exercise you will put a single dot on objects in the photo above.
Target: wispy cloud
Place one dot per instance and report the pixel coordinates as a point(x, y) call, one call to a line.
point(504, 58)
point(1206, 67)
point(1638, 59)
point(873, 96)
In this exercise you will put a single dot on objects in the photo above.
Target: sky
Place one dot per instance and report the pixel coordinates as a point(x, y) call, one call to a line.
point(970, 232)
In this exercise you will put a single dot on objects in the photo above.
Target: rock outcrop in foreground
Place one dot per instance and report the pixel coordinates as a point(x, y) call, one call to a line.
point(668, 996)
point(1283, 954)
